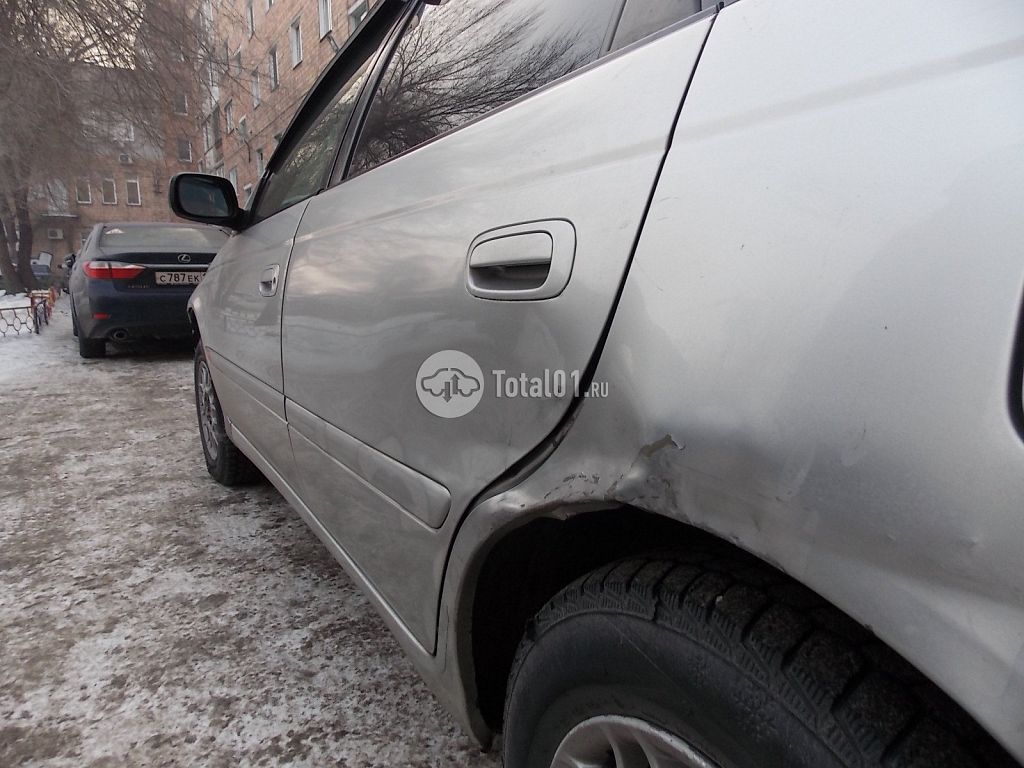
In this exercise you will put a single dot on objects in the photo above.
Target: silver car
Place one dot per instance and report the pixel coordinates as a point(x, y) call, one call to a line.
point(655, 369)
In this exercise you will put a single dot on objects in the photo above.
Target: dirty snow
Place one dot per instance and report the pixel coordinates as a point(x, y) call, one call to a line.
point(151, 617)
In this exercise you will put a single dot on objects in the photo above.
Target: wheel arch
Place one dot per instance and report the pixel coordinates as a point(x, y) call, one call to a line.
point(507, 586)
point(513, 578)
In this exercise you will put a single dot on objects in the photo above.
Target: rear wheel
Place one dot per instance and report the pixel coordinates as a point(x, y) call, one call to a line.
point(720, 664)
point(91, 347)
point(225, 463)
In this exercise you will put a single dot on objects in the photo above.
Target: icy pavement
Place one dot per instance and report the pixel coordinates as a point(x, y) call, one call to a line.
point(151, 617)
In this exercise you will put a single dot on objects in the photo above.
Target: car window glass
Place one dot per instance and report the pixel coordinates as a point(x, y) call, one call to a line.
point(157, 236)
point(302, 171)
point(460, 60)
point(641, 18)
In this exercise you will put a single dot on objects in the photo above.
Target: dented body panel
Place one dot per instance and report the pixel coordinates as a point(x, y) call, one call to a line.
point(814, 353)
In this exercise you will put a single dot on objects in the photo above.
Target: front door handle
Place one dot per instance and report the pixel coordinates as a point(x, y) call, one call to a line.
point(268, 280)
point(523, 262)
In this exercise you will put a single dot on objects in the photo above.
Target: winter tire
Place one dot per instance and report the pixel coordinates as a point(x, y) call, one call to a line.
point(90, 348)
point(714, 662)
point(225, 463)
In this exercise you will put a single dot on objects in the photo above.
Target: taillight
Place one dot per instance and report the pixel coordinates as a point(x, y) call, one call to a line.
point(111, 270)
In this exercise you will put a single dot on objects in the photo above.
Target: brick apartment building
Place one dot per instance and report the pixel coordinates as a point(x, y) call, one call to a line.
point(126, 181)
point(275, 50)
point(125, 178)
point(272, 51)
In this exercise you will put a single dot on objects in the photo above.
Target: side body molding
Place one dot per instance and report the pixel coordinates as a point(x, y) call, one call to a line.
point(414, 493)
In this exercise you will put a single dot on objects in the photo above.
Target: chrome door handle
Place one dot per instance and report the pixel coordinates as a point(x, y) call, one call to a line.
point(268, 280)
point(523, 262)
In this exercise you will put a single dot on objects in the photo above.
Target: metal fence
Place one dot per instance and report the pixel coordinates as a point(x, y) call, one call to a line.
point(31, 316)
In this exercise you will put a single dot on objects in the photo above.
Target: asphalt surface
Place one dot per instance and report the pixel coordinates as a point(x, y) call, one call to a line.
point(149, 616)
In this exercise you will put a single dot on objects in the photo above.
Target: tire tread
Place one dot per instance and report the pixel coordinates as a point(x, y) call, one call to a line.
point(869, 705)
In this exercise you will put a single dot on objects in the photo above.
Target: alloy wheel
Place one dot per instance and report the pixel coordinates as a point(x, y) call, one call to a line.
point(209, 422)
point(611, 741)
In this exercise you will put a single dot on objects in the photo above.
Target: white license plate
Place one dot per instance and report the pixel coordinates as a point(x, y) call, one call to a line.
point(179, 278)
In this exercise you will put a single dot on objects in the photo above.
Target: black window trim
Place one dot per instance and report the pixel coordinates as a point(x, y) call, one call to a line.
point(378, 31)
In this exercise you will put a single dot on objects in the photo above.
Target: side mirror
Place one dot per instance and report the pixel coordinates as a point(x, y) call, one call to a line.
point(204, 198)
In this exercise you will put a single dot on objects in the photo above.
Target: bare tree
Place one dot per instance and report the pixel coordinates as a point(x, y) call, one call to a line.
point(75, 72)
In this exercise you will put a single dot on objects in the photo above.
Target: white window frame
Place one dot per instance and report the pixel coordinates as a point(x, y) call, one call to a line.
point(233, 178)
point(88, 192)
point(295, 37)
point(184, 97)
point(353, 22)
point(127, 191)
point(261, 165)
point(229, 116)
point(103, 192)
point(323, 8)
point(243, 127)
point(250, 18)
point(275, 75)
point(237, 62)
point(254, 86)
point(270, 4)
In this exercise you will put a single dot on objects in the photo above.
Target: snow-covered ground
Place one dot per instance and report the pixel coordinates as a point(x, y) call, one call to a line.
point(151, 617)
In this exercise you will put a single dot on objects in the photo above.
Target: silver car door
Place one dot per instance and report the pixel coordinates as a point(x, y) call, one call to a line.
point(242, 335)
point(239, 310)
point(496, 237)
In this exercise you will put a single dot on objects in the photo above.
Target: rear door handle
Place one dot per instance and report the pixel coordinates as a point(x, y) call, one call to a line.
point(268, 280)
point(522, 262)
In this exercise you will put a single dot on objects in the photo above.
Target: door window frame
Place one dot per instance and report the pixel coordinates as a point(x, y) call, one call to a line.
point(378, 33)
point(343, 162)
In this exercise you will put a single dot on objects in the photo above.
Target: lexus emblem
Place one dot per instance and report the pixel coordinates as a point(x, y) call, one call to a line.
point(184, 258)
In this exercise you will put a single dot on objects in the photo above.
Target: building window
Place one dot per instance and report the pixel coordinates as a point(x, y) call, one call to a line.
point(184, 151)
point(243, 128)
point(83, 191)
point(229, 116)
point(57, 197)
point(247, 194)
point(157, 184)
point(255, 87)
point(123, 132)
point(233, 178)
point(109, 190)
point(180, 104)
point(270, 4)
point(325, 17)
point(250, 18)
point(296, 38)
point(357, 12)
point(132, 193)
point(237, 63)
point(275, 79)
point(82, 238)
point(260, 165)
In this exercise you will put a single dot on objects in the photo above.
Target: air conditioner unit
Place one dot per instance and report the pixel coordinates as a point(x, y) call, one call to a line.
point(125, 159)
point(55, 233)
